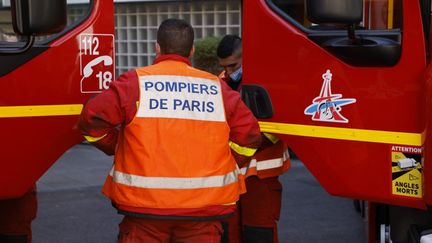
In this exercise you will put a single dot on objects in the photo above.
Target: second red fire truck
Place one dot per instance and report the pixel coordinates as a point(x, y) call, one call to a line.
point(350, 85)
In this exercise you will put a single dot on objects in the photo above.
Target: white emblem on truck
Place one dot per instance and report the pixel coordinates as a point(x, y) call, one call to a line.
point(327, 106)
point(96, 62)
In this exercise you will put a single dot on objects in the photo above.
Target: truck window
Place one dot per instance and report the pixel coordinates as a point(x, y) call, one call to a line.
point(377, 14)
point(374, 39)
point(78, 10)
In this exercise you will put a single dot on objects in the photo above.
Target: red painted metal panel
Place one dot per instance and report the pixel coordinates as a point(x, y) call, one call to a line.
point(31, 145)
point(427, 163)
point(290, 66)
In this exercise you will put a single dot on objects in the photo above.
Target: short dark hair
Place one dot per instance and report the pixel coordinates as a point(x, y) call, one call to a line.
point(175, 36)
point(229, 45)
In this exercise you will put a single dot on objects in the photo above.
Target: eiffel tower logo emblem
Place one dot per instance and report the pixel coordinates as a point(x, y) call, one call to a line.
point(327, 106)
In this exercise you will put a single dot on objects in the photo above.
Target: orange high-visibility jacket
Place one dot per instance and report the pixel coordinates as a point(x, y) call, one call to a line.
point(269, 161)
point(175, 153)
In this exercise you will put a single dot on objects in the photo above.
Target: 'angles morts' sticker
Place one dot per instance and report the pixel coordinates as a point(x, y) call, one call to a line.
point(406, 171)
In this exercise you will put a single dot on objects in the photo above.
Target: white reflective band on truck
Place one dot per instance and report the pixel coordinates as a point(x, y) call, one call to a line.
point(266, 164)
point(182, 97)
point(174, 182)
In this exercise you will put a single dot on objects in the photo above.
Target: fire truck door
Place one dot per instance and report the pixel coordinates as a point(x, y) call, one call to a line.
point(346, 89)
point(41, 97)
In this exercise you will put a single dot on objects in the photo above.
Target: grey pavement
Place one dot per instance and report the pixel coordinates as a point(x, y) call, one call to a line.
point(72, 208)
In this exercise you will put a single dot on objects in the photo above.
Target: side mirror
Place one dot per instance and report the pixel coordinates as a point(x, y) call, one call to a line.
point(38, 17)
point(348, 12)
point(356, 50)
point(34, 18)
point(335, 11)
point(258, 100)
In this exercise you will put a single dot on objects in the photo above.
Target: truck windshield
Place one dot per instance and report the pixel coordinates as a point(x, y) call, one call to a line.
point(77, 11)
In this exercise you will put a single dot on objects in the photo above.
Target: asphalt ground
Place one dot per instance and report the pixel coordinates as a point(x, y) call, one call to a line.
point(72, 208)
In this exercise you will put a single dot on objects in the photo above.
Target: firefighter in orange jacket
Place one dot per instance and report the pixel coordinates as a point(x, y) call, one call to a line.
point(259, 208)
point(170, 127)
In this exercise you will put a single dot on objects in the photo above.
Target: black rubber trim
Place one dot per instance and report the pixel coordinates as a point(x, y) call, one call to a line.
point(18, 50)
point(12, 62)
point(14, 238)
point(252, 234)
point(174, 217)
point(323, 36)
point(425, 6)
point(285, 16)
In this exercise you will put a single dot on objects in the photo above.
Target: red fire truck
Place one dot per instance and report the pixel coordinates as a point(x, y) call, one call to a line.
point(350, 83)
point(50, 65)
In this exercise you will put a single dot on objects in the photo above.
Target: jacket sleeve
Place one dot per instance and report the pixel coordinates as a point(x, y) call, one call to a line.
point(103, 115)
point(245, 135)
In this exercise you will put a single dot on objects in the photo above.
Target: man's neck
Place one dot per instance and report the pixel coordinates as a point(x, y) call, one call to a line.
point(172, 57)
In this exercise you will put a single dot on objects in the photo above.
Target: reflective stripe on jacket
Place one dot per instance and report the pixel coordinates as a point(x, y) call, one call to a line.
point(270, 161)
point(175, 152)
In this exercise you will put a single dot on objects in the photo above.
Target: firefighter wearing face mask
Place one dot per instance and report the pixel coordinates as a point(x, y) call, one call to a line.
point(259, 208)
point(230, 59)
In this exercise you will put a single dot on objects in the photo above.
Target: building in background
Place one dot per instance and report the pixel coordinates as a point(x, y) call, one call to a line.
point(137, 23)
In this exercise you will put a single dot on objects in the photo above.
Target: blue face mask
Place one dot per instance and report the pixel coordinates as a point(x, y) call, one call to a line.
point(237, 75)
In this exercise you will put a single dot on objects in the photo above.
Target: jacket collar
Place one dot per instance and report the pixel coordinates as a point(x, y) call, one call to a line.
point(172, 57)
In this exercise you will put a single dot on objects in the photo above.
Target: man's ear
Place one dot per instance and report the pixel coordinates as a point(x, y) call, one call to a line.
point(158, 49)
point(192, 51)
